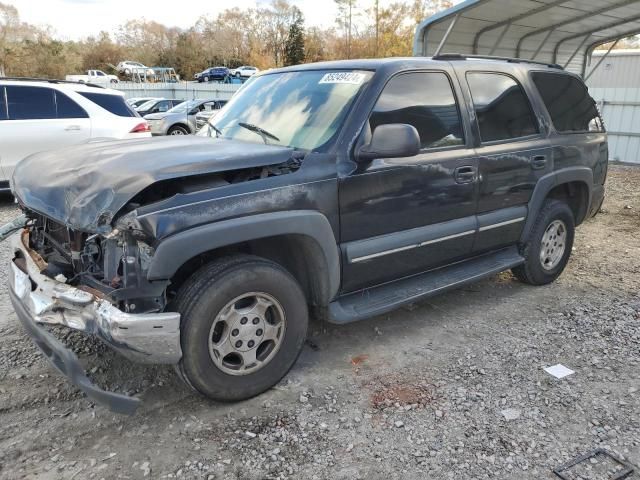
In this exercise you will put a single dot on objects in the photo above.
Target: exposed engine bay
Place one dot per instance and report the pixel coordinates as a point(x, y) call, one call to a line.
point(112, 267)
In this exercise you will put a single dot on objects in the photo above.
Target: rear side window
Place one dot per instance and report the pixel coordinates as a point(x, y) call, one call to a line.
point(424, 100)
point(67, 108)
point(3, 105)
point(112, 103)
point(502, 108)
point(30, 103)
point(568, 102)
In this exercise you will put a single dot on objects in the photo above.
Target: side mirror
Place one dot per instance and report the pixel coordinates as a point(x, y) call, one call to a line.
point(393, 140)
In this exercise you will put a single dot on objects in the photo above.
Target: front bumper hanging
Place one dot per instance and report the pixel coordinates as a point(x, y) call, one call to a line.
point(37, 299)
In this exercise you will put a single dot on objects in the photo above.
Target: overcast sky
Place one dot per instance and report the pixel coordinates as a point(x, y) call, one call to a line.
point(74, 19)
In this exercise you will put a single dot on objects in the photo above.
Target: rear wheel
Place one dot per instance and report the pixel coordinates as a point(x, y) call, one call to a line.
point(178, 130)
point(549, 246)
point(244, 322)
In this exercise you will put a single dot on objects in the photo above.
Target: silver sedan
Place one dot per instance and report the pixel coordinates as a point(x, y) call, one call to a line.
point(181, 119)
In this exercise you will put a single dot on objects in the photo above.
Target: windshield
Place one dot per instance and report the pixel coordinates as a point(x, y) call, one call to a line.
point(146, 105)
point(298, 109)
point(185, 106)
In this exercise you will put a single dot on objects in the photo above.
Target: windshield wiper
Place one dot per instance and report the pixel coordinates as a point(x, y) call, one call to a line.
point(215, 129)
point(260, 131)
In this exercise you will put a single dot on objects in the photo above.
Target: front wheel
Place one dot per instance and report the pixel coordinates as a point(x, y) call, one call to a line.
point(237, 74)
point(549, 246)
point(243, 324)
point(178, 130)
point(205, 79)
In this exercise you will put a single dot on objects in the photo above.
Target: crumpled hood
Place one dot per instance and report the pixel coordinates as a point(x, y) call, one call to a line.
point(85, 186)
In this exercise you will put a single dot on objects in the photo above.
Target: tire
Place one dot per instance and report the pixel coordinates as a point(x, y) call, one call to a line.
point(113, 81)
point(548, 248)
point(205, 79)
point(205, 297)
point(178, 130)
point(237, 74)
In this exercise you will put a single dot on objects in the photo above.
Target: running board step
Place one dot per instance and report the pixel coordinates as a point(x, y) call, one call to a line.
point(388, 297)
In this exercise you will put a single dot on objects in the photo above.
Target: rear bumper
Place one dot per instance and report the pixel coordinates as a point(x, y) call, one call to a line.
point(37, 299)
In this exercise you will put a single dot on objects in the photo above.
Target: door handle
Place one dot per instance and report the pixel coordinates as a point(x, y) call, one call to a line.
point(72, 128)
point(466, 174)
point(538, 162)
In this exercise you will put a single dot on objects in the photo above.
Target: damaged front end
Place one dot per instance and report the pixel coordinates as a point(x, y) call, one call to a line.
point(106, 276)
point(111, 267)
point(85, 252)
point(94, 284)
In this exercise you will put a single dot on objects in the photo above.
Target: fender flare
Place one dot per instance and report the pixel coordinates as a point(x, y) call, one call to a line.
point(548, 183)
point(176, 250)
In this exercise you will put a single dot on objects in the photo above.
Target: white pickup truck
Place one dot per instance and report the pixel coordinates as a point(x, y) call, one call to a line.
point(93, 76)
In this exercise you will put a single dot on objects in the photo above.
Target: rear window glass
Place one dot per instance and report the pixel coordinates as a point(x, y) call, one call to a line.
point(112, 103)
point(28, 103)
point(67, 108)
point(568, 102)
point(3, 105)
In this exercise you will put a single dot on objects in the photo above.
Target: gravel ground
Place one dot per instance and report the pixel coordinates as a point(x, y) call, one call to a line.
point(450, 388)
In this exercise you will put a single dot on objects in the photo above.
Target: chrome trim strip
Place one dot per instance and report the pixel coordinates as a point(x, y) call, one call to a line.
point(448, 237)
point(501, 224)
point(410, 247)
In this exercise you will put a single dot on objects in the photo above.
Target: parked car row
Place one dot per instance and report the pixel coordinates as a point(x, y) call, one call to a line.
point(221, 73)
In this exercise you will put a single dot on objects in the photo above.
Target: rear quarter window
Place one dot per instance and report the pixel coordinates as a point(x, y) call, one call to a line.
point(112, 103)
point(568, 102)
point(67, 108)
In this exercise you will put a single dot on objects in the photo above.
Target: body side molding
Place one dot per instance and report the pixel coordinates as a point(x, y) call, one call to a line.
point(389, 243)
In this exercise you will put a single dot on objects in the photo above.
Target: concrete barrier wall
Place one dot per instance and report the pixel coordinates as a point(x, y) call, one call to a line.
point(181, 90)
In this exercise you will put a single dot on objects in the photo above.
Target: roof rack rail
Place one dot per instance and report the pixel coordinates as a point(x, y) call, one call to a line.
point(461, 56)
point(50, 80)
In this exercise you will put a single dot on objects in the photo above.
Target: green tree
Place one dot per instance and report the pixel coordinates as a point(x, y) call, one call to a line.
point(294, 52)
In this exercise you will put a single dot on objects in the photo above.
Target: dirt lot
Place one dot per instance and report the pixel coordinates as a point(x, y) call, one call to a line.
point(450, 388)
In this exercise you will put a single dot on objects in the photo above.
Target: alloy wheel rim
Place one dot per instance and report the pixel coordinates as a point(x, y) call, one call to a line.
point(553, 245)
point(247, 333)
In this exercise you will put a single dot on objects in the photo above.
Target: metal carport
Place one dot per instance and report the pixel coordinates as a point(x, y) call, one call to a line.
point(563, 32)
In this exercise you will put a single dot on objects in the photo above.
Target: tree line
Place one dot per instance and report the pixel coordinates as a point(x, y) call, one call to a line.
point(268, 36)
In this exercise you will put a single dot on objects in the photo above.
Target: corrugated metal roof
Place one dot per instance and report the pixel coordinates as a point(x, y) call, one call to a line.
point(556, 31)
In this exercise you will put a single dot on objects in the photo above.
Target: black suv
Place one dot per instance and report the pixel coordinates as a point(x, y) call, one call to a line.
point(345, 188)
